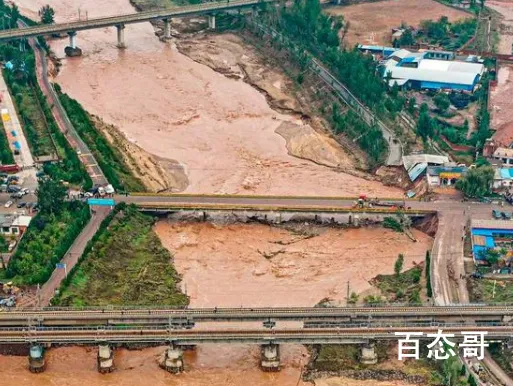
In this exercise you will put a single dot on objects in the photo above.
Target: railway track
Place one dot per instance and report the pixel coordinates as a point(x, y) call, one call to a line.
point(162, 334)
point(99, 316)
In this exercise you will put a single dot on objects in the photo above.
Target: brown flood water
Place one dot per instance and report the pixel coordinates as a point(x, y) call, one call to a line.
point(226, 266)
point(221, 130)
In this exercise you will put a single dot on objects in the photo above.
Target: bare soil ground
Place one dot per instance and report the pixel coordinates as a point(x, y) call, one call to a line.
point(505, 8)
point(371, 23)
point(260, 265)
point(501, 104)
point(157, 174)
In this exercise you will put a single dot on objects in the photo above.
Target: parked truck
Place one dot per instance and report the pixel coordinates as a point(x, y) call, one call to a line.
point(10, 168)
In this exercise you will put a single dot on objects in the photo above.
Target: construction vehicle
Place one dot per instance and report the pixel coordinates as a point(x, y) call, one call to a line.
point(36, 359)
point(105, 359)
point(8, 302)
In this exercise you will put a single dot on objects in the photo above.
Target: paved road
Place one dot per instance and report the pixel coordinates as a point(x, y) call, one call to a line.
point(70, 259)
point(63, 122)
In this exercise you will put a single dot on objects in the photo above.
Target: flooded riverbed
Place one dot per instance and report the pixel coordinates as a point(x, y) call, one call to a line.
point(220, 130)
point(254, 265)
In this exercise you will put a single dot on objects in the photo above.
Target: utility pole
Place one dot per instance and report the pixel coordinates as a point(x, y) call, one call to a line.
point(347, 298)
point(38, 295)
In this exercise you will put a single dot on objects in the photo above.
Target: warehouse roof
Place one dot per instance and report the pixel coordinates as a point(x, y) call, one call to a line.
point(492, 224)
point(451, 66)
point(464, 78)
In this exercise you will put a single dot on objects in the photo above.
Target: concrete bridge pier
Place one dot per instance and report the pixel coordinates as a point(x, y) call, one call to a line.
point(270, 357)
point(72, 49)
point(172, 359)
point(167, 28)
point(121, 36)
point(211, 21)
point(368, 354)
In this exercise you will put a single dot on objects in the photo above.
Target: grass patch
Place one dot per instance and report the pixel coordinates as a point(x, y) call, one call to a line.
point(6, 156)
point(484, 290)
point(109, 158)
point(402, 288)
point(45, 242)
point(32, 117)
point(126, 264)
point(502, 356)
point(69, 168)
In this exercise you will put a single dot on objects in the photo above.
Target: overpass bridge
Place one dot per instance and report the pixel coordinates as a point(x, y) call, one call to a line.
point(186, 318)
point(119, 21)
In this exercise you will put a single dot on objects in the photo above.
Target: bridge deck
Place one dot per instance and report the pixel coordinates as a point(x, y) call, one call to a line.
point(187, 337)
point(67, 317)
point(199, 9)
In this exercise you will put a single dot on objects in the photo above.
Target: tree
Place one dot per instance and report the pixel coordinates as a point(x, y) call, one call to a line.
point(398, 266)
point(47, 13)
point(424, 124)
point(50, 195)
point(15, 15)
point(429, 289)
point(353, 299)
point(407, 38)
point(492, 256)
point(477, 182)
point(442, 102)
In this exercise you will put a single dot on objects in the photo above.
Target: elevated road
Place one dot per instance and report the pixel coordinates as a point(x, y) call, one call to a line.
point(162, 335)
point(140, 17)
point(396, 314)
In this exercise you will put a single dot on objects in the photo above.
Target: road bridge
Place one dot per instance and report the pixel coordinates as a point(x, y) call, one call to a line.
point(187, 317)
point(119, 21)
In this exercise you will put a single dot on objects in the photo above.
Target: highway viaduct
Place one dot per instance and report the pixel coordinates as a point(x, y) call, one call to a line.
point(120, 21)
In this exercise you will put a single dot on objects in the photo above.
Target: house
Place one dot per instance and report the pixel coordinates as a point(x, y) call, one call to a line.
point(503, 178)
point(490, 234)
point(445, 175)
point(503, 154)
point(14, 224)
point(416, 164)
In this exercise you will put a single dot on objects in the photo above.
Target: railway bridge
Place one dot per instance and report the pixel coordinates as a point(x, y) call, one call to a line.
point(179, 328)
point(120, 21)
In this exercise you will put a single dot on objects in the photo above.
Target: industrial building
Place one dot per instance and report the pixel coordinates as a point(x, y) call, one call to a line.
point(491, 234)
point(431, 70)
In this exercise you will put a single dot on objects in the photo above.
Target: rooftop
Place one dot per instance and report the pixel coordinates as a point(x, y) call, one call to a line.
point(503, 152)
point(492, 224)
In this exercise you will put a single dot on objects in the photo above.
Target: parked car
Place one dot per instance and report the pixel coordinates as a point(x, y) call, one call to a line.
point(13, 189)
point(25, 191)
point(8, 204)
point(506, 216)
point(17, 195)
point(496, 214)
point(21, 205)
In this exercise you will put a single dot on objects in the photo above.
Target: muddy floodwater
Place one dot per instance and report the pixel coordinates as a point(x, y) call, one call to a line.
point(258, 265)
point(221, 131)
